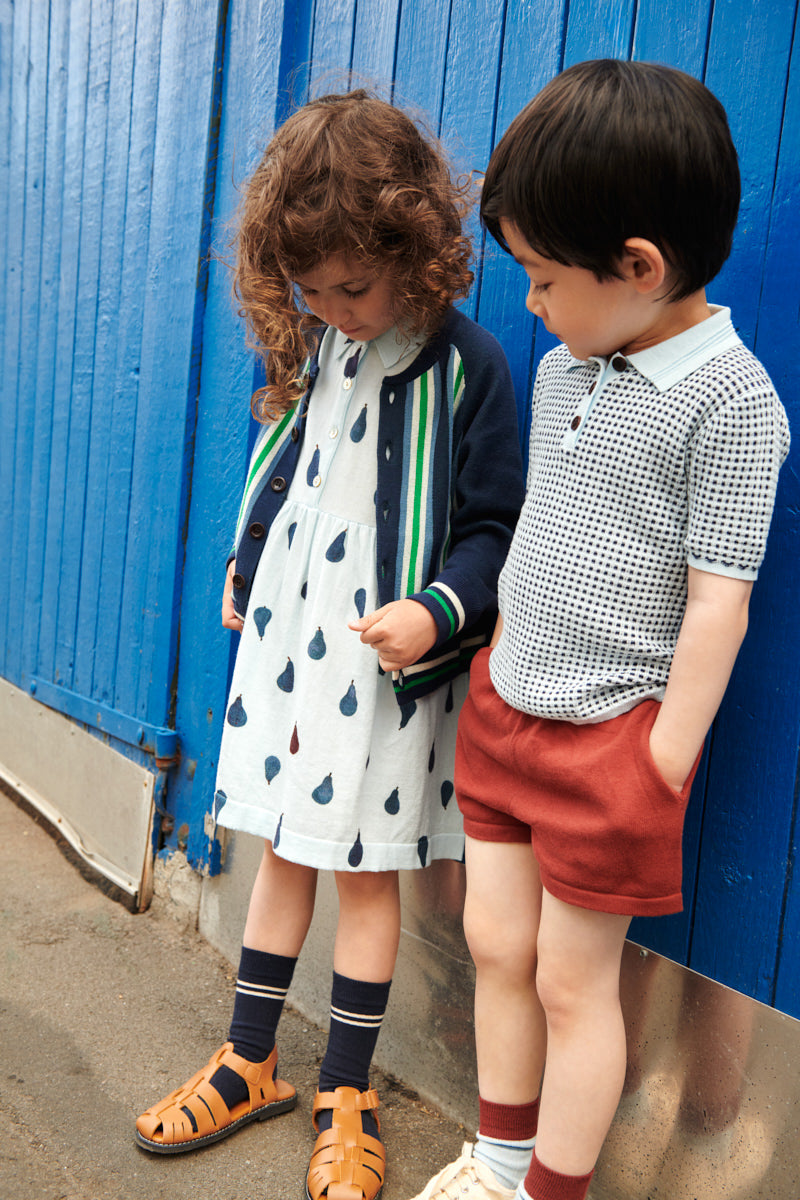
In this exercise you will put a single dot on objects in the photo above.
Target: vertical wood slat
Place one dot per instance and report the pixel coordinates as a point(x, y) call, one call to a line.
point(749, 810)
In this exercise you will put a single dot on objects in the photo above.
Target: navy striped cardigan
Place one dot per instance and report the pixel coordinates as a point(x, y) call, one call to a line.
point(450, 488)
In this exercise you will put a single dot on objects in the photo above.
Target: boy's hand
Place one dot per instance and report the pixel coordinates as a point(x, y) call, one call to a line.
point(401, 632)
point(229, 617)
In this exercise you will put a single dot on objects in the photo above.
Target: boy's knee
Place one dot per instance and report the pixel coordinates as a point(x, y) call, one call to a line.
point(511, 949)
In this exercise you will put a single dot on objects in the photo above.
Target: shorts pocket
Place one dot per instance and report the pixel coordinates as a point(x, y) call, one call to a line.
point(652, 769)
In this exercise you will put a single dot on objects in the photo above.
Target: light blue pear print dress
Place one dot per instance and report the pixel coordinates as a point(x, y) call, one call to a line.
point(317, 756)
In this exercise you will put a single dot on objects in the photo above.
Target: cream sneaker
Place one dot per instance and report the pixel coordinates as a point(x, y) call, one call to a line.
point(466, 1179)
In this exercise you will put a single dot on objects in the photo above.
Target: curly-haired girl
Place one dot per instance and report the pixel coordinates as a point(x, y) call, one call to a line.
point(377, 511)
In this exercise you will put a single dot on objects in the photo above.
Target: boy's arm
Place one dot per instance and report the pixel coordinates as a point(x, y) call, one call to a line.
point(712, 631)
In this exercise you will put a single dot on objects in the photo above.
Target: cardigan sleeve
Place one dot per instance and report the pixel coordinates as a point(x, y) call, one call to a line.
point(486, 492)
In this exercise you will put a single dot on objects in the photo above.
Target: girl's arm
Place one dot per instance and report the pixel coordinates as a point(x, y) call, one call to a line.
point(229, 618)
point(712, 631)
point(401, 632)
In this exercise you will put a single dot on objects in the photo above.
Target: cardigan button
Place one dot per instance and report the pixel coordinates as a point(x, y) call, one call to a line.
point(239, 581)
point(278, 483)
point(257, 531)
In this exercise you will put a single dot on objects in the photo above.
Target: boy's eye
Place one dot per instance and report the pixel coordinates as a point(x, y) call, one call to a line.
point(538, 289)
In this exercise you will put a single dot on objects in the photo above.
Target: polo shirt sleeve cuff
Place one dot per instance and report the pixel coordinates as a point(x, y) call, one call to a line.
point(714, 567)
point(445, 607)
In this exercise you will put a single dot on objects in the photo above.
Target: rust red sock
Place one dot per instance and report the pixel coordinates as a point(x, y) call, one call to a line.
point(506, 1137)
point(543, 1184)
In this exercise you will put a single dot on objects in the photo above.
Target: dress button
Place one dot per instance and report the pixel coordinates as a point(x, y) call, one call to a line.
point(347, 384)
point(278, 483)
point(295, 433)
point(333, 432)
point(619, 363)
point(316, 481)
point(257, 530)
point(575, 422)
point(239, 581)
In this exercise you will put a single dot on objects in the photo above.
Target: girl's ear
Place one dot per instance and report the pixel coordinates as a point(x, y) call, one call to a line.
point(644, 265)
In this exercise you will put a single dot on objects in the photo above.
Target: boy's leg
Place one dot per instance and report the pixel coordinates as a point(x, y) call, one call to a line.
point(501, 919)
point(578, 984)
point(348, 1150)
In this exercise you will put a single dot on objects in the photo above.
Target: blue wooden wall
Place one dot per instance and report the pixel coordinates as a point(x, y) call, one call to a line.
point(125, 128)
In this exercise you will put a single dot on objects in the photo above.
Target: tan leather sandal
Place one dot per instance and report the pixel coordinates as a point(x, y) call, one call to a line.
point(346, 1164)
point(166, 1129)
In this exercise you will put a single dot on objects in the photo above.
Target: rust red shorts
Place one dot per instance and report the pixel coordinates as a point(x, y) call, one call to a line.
point(605, 826)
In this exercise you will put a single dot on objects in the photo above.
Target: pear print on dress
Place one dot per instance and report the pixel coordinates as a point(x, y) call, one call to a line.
point(291, 532)
point(285, 680)
point(447, 793)
point(313, 468)
point(335, 552)
point(294, 742)
point(219, 803)
point(406, 712)
point(448, 704)
point(271, 767)
point(261, 616)
point(432, 758)
point(360, 599)
point(304, 590)
point(422, 850)
point(323, 794)
point(317, 647)
point(392, 803)
point(359, 426)
point(349, 703)
point(236, 714)
point(276, 840)
point(356, 852)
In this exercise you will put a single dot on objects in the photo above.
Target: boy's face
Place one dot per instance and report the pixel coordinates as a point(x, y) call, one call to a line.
point(591, 317)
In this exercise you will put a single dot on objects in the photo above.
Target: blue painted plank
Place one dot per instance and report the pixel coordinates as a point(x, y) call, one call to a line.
point(122, 371)
point(44, 349)
point(101, 510)
point(83, 354)
point(599, 29)
point(252, 93)
point(468, 107)
point(14, 259)
point(421, 57)
point(332, 46)
point(502, 284)
point(375, 43)
point(6, 46)
point(674, 33)
point(60, 559)
point(166, 412)
point(750, 806)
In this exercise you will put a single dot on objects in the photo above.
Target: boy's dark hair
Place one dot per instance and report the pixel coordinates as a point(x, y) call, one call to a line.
point(610, 150)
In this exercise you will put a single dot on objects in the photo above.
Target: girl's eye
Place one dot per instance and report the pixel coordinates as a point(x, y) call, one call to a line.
point(353, 295)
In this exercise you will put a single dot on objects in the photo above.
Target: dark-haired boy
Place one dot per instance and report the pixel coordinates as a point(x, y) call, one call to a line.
point(656, 442)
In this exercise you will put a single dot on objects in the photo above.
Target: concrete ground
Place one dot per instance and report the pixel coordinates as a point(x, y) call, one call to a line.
point(102, 1012)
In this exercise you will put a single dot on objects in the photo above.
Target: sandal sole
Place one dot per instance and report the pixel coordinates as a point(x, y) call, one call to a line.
point(198, 1143)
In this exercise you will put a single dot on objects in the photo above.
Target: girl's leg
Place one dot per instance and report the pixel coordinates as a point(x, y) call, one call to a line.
point(280, 911)
point(578, 985)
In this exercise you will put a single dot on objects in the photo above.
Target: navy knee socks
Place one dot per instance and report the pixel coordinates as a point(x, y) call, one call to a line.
point(357, 1009)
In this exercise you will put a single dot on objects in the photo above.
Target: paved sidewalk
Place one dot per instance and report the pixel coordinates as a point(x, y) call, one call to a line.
point(102, 1012)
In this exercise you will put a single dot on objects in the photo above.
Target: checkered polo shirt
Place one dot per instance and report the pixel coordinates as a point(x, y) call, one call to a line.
point(638, 466)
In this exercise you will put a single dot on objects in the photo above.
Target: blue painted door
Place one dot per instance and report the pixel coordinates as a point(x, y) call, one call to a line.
point(124, 130)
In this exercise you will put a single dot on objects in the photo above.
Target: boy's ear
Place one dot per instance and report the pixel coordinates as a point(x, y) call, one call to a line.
point(643, 264)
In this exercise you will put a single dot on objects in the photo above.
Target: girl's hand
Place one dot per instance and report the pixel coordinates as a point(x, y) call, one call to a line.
point(401, 632)
point(229, 617)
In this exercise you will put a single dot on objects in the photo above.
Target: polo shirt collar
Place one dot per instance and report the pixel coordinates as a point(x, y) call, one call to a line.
point(675, 359)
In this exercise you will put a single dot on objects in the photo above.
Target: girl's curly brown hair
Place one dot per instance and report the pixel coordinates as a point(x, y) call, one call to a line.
point(346, 174)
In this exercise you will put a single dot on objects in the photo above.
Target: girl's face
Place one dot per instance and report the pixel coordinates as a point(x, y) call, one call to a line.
point(358, 300)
